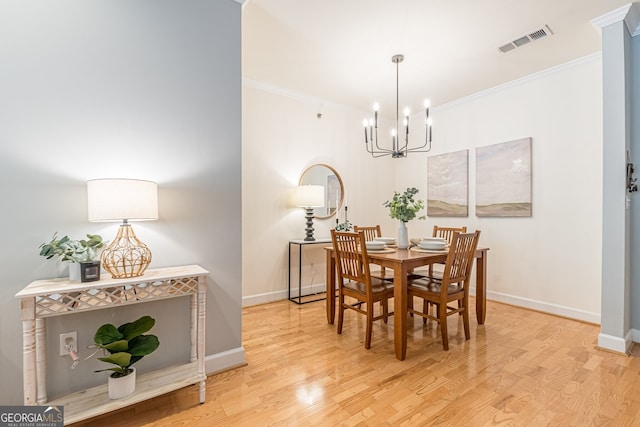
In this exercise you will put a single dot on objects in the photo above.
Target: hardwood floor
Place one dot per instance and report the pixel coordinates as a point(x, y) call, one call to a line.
point(521, 368)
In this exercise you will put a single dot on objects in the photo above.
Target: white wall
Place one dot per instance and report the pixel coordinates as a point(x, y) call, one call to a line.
point(282, 135)
point(550, 261)
point(146, 89)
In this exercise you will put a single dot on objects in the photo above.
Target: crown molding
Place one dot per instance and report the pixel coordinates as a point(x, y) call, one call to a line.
point(531, 77)
point(609, 18)
point(633, 19)
point(629, 13)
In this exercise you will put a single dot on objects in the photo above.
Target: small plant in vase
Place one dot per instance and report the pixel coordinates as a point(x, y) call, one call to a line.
point(80, 252)
point(126, 345)
point(404, 207)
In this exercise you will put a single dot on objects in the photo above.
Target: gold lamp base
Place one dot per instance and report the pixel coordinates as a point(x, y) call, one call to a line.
point(126, 256)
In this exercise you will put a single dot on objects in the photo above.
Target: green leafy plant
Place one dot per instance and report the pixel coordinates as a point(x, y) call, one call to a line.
point(72, 250)
point(405, 206)
point(126, 344)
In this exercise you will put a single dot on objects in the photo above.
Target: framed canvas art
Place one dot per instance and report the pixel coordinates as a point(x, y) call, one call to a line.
point(503, 179)
point(448, 184)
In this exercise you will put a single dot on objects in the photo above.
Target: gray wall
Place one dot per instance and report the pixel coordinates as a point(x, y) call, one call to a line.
point(635, 197)
point(145, 89)
point(615, 268)
point(619, 217)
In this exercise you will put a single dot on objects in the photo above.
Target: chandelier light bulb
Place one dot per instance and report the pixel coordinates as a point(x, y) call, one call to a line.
point(429, 121)
point(427, 103)
point(365, 122)
point(376, 107)
point(407, 111)
point(393, 132)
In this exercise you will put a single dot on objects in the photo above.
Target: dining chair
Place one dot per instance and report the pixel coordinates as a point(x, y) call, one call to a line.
point(446, 233)
point(454, 285)
point(370, 233)
point(443, 232)
point(355, 281)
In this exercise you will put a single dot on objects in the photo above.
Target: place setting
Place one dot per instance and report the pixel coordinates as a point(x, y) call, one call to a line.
point(432, 245)
point(381, 245)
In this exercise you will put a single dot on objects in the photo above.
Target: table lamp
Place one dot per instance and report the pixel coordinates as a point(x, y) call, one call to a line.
point(123, 200)
point(309, 197)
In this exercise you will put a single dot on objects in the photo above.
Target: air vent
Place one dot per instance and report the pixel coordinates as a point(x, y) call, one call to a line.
point(531, 37)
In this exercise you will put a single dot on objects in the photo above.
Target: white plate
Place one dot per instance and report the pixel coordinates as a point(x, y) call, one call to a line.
point(434, 239)
point(386, 239)
point(434, 251)
point(432, 245)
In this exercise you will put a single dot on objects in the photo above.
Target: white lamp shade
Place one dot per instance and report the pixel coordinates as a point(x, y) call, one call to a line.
point(120, 199)
point(310, 196)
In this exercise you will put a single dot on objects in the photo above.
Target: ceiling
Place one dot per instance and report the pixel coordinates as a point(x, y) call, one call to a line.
point(340, 50)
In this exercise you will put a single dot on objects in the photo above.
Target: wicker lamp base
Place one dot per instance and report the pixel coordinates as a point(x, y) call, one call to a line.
point(126, 256)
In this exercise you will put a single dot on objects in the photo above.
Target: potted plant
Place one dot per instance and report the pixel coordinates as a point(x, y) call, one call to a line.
point(404, 207)
point(80, 252)
point(126, 345)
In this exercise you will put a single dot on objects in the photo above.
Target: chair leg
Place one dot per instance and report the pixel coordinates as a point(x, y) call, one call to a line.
point(341, 312)
point(465, 318)
point(425, 310)
point(442, 315)
point(410, 304)
point(385, 309)
point(367, 338)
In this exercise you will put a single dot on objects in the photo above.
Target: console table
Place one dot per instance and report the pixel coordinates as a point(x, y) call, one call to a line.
point(56, 297)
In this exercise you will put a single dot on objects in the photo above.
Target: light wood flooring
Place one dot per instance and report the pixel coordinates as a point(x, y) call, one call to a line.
point(521, 368)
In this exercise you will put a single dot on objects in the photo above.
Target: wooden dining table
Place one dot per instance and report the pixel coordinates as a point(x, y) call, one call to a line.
point(402, 262)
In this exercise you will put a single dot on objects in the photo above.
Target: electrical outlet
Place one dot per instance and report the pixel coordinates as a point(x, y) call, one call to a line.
point(68, 338)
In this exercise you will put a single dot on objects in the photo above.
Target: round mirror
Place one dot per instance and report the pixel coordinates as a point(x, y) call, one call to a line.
point(326, 176)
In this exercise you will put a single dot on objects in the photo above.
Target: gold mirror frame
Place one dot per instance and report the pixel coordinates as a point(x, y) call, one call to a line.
point(328, 177)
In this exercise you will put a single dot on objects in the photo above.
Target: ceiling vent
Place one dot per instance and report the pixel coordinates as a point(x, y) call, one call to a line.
point(531, 37)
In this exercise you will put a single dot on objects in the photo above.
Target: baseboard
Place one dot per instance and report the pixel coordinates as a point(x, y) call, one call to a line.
point(635, 335)
point(616, 344)
point(223, 361)
point(543, 306)
point(281, 295)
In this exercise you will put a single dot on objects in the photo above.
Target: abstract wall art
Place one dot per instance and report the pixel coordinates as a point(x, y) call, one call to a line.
point(503, 179)
point(448, 184)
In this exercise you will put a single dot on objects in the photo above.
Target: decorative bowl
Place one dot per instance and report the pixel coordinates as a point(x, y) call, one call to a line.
point(375, 245)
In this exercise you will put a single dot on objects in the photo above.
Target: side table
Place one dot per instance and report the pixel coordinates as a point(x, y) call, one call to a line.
point(299, 245)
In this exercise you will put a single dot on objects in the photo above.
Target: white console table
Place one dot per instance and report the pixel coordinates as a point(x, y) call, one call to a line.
point(56, 297)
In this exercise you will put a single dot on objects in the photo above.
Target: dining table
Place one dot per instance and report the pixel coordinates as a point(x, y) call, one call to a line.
point(403, 262)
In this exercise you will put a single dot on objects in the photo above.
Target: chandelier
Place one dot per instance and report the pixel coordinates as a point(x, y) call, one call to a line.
point(397, 149)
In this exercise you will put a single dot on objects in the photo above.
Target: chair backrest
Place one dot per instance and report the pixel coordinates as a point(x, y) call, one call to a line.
point(370, 233)
point(459, 262)
point(352, 261)
point(447, 232)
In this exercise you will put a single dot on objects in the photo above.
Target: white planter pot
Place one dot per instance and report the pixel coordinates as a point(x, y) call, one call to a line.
point(123, 386)
point(403, 236)
point(74, 271)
